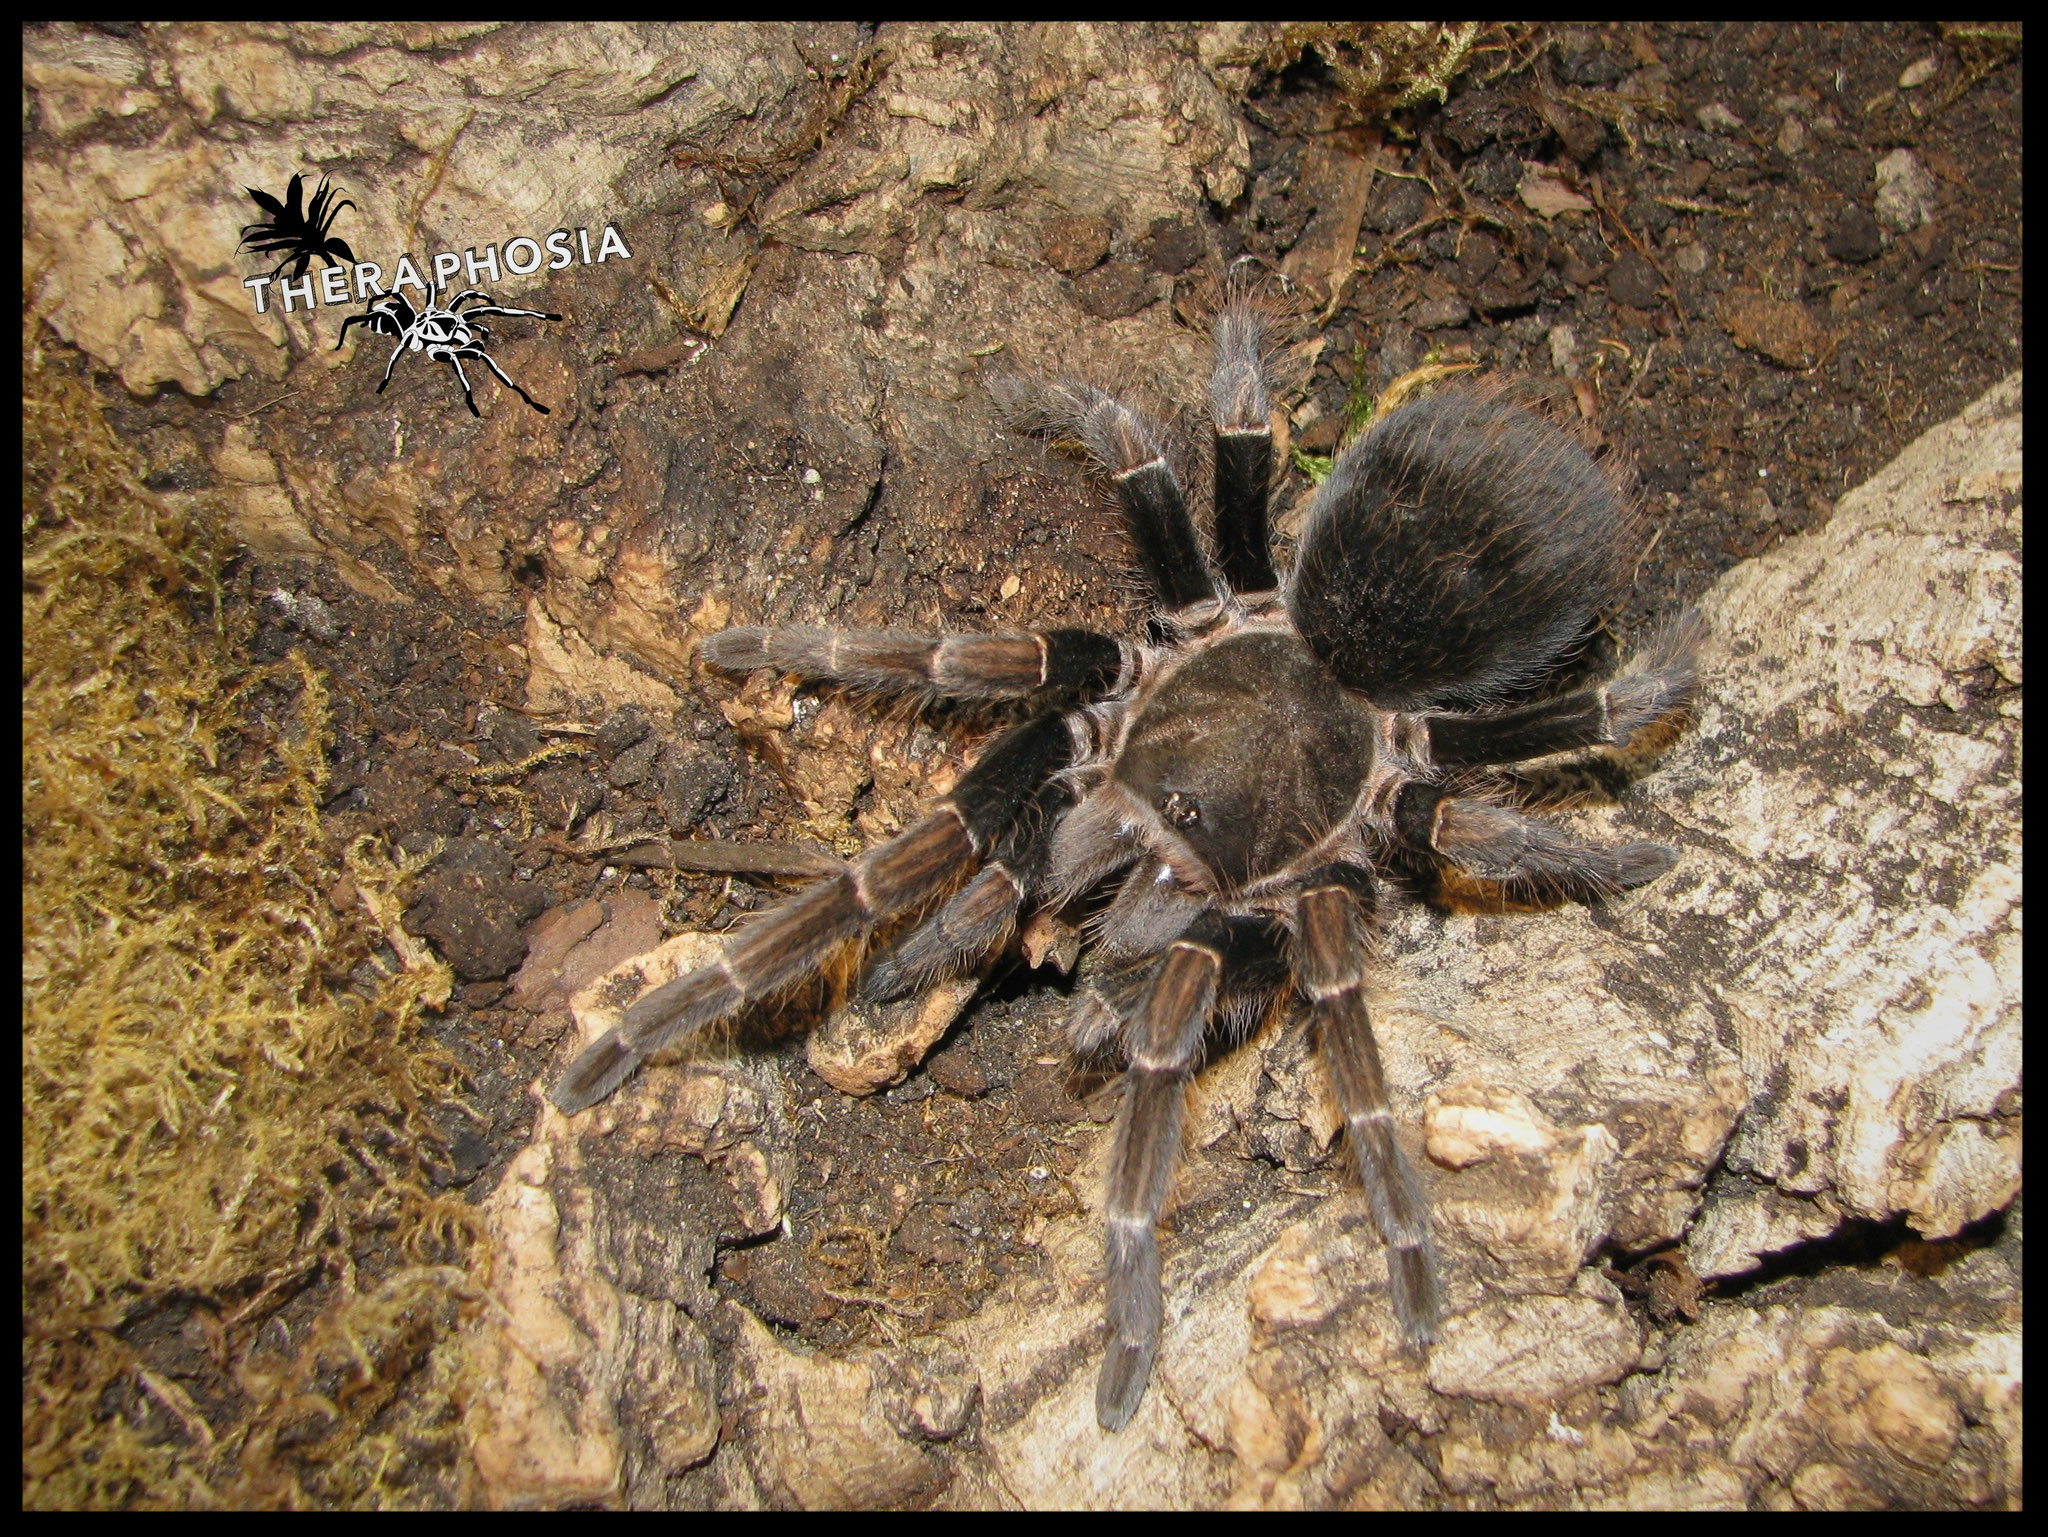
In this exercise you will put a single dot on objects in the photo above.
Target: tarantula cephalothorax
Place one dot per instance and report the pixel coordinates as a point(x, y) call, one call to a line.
point(1253, 784)
point(446, 335)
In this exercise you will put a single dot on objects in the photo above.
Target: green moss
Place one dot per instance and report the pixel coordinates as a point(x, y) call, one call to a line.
point(199, 1094)
point(1315, 466)
point(1379, 67)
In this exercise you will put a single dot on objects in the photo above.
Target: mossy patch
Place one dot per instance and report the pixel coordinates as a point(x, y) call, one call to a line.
point(224, 1094)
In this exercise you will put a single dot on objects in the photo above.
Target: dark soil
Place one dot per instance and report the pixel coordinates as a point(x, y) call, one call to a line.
point(926, 1195)
point(1735, 449)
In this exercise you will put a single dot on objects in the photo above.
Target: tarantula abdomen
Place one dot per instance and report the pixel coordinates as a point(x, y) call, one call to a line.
point(1457, 552)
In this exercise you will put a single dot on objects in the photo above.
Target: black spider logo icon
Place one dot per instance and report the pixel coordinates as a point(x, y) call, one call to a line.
point(298, 230)
point(445, 335)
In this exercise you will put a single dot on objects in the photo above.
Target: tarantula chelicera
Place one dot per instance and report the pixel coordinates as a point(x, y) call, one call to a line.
point(300, 232)
point(1254, 781)
point(446, 335)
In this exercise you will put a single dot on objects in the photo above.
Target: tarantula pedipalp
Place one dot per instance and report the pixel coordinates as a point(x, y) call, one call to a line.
point(1254, 783)
point(446, 335)
point(300, 231)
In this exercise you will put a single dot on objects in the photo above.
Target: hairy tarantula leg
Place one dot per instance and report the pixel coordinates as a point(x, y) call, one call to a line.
point(1657, 690)
point(1164, 1040)
point(1157, 516)
point(1242, 411)
point(793, 938)
point(1148, 912)
point(1334, 913)
point(1093, 1020)
point(1155, 511)
point(1500, 845)
point(979, 919)
point(1605, 773)
point(506, 379)
point(951, 666)
point(1097, 839)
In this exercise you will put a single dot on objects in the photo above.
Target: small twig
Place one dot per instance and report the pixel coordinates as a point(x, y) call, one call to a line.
point(1693, 205)
point(274, 1286)
point(869, 1299)
point(1659, 534)
point(835, 100)
point(1649, 355)
point(668, 297)
point(706, 856)
point(179, 1406)
point(2006, 48)
point(1389, 252)
point(1434, 156)
point(709, 856)
point(240, 415)
point(499, 773)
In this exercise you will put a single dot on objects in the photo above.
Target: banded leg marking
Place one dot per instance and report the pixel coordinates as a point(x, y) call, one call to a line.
point(1658, 690)
point(1214, 961)
point(796, 936)
point(1165, 1038)
point(1156, 514)
point(1331, 953)
point(950, 666)
point(1529, 855)
point(1241, 409)
point(981, 917)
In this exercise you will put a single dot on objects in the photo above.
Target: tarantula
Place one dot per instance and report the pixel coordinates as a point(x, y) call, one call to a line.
point(1255, 780)
point(300, 233)
point(445, 335)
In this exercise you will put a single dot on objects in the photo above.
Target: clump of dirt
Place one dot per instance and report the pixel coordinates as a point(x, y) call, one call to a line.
point(231, 1248)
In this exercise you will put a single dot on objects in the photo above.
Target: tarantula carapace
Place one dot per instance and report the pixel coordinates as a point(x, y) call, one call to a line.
point(1253, 782)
